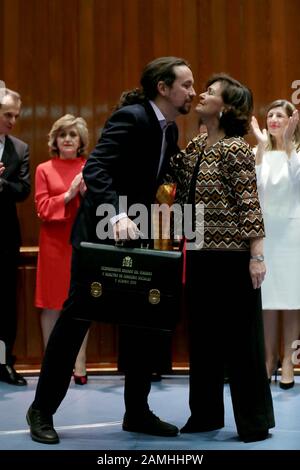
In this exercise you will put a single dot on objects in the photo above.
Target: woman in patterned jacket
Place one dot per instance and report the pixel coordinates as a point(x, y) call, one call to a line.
point(224, 272)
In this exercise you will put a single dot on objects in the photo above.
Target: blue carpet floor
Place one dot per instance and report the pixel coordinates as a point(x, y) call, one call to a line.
point(90, 418)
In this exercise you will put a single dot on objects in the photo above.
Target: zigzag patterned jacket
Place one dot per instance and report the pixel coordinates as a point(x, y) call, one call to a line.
point(226, 185)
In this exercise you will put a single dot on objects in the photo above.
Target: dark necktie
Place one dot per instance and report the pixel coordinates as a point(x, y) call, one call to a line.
point(170, 148)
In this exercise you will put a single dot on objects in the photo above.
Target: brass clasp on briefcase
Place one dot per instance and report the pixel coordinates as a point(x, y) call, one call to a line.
point(154, 296)
point(128, 286)
point(96, 289)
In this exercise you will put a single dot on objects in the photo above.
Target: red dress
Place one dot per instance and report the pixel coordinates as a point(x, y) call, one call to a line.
point(52, 180)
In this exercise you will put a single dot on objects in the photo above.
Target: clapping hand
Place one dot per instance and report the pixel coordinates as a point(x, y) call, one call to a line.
point(74, 188)
point(82, 187)
point(2, 168)
point(288, 132)
point(261, 135)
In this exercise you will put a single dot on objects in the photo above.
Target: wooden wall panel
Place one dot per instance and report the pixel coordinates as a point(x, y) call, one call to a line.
point(29, 345)
point(79, 55)
point(86, 64)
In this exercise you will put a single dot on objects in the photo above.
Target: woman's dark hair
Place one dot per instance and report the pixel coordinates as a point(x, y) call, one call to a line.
point(161, 69)
point(238, 100)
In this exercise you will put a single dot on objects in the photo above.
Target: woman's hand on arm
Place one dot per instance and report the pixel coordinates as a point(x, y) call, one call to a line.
point(257, 267)
point(257, 272)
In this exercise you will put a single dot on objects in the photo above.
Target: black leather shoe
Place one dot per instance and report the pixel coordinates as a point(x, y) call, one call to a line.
point(41, 427)
point(258, 436)
point(10, 376)
point(195, 425)
point(148, 423)
point(156, 377)
point(286, 385)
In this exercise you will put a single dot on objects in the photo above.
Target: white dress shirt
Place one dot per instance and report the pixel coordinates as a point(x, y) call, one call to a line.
point(2, 143)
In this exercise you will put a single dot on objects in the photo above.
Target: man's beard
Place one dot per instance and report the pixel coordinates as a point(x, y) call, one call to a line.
point(183, 110)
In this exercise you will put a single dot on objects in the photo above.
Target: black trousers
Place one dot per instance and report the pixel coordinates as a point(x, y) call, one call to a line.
point(62, 349)
point(8, 299)
point(224, 329)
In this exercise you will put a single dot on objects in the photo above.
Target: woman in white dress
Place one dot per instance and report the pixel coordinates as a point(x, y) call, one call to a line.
point(278, 179)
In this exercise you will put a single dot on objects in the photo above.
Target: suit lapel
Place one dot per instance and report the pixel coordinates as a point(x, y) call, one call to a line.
point(156, 138)
point(9, 157)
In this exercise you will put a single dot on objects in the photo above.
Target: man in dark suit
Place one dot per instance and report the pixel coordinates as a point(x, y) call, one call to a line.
point(128, 162)
point(14, 187)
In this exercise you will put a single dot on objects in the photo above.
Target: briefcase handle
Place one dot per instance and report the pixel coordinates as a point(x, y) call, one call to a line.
point(178, 245)
point(132, 244)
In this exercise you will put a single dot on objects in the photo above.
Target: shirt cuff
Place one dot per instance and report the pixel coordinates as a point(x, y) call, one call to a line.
point(118, 217)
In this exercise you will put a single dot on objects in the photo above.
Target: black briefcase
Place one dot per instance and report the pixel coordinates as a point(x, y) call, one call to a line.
point(129, 286)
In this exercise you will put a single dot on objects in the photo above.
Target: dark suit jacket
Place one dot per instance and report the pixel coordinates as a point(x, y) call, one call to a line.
point(14, 187)
point(124, 162)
